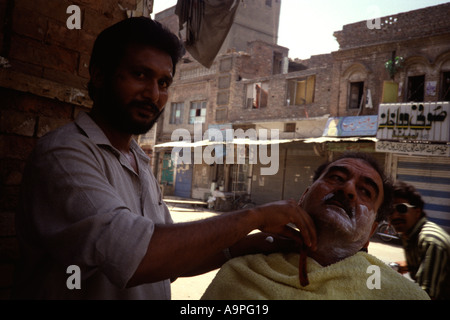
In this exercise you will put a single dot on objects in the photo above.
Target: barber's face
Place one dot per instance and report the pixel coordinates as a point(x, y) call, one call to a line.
point(138, 90)
point(343, 204)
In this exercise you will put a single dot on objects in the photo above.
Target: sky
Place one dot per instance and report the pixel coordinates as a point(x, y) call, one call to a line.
point(307, 27)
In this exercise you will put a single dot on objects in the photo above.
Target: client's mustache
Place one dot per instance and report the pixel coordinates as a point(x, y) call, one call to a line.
point(339, 198)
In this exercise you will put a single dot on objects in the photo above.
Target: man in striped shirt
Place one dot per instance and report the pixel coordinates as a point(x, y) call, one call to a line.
point(427, 246)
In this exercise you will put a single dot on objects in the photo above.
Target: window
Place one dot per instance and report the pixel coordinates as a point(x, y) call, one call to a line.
point(197, 112)
point(224, 82)
point(222, 114)
point(277, 63)
point(445, 87)
point(225, 65)
point(415, 91)
point(355, 95)
point(300, 91)
point(289, 127)
point(257, 95)
point(176, 113)
point(223, 97)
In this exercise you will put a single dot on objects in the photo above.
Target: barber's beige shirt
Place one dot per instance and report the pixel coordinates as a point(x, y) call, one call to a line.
point(82, 204)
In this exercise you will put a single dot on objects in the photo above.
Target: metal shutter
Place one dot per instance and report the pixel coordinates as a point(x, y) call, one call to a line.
point(431, 177)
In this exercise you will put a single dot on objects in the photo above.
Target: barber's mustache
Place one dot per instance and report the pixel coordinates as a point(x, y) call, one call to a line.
point(339, 198)
point(145, 104)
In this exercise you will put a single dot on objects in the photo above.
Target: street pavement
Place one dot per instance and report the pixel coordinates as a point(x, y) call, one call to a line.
point(192, 288)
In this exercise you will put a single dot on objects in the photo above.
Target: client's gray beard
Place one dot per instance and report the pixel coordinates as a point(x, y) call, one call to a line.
point(332, 246)
point(331, 252)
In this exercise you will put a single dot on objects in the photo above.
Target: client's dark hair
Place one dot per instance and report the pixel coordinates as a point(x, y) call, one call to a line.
point(386, 206)
point(111, 44)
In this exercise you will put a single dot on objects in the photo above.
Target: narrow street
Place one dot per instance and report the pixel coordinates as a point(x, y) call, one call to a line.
point(192, 288)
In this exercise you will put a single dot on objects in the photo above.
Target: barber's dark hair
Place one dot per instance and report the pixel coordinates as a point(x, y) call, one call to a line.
point(407, 191)
point(111, 44)
point(386, 205)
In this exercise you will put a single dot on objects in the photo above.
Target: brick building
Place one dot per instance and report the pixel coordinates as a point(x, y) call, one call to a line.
point(345, 85)
point(421, 39)
point(43, 78)
point(245, 88)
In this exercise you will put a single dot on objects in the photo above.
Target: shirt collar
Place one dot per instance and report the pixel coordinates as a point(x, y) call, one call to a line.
point(417, 228)
point(91, 129)
point(93, 132)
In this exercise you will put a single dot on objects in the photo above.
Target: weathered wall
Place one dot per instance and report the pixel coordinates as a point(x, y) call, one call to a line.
point(43, 86)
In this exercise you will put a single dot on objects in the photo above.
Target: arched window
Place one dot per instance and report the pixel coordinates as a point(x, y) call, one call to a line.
point(356, 76)
point(416, 69)
point(443, 63)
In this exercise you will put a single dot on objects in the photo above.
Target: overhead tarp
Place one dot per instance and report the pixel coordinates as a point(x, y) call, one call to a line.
point(207, 24)
point(346, 139)
point(182, 144)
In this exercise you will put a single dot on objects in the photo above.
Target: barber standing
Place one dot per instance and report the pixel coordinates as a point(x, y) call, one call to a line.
point(90, 200)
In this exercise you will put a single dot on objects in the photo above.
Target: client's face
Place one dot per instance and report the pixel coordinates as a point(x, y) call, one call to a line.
point(343, 204)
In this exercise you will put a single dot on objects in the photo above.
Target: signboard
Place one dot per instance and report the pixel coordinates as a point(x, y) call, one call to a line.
point(358, 126)
point(418, 149)
point(423, 121)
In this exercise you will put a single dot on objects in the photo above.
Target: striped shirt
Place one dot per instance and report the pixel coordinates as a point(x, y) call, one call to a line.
point(427, 251)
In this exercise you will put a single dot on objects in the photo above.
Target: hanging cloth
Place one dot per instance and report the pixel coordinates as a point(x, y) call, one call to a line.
point(207, 23)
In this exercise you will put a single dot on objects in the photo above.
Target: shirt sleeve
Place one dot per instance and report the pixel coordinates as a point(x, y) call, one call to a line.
point(76, 215)
point(432, 268)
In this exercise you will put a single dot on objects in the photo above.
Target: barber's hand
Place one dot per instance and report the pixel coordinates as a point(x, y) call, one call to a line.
point(276, 216)
point(261, 242)
point(402, 267)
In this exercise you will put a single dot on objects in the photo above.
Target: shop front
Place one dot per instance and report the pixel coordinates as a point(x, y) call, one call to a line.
point(416, 137)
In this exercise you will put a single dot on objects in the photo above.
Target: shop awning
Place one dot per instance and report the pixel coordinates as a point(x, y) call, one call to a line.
point(185, 144)
point(341, 139)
